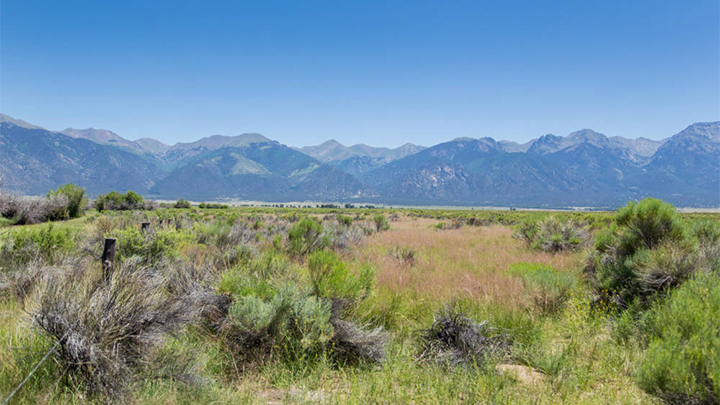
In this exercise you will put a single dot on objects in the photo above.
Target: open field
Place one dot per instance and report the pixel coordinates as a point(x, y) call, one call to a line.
point(245, 305)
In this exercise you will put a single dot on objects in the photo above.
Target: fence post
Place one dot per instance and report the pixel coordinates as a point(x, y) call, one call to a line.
point(108, 257)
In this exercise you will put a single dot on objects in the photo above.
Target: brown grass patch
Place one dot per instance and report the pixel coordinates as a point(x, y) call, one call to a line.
point(469, 262)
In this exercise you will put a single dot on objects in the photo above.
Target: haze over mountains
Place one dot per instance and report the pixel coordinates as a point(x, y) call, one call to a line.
point(584, 168)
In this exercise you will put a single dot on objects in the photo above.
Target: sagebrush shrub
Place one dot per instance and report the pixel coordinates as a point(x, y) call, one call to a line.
point(456, 340)
point(551, 234)
point(107, 330)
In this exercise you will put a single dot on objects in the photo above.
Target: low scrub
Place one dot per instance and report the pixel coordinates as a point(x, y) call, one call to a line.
point(552, 234)
point(274, 312)
point(306, 236)
point(456, 340)
point(547, 287)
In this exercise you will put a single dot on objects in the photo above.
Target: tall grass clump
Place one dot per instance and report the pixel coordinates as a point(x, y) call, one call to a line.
point(682, 363)
point(547, 287)
point(551, 234)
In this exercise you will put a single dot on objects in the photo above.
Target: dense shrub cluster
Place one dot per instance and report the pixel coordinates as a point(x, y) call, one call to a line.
point(649, 249)
point(274, 311)
point(114, 201)
point(67, 202)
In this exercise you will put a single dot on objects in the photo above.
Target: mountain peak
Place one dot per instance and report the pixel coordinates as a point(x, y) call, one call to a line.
point(17, 122)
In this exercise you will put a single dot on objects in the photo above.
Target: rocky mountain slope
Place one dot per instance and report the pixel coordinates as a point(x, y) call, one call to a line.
point(584, 168)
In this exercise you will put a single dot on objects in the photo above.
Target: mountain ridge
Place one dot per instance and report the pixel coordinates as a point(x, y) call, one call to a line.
point(583, 168)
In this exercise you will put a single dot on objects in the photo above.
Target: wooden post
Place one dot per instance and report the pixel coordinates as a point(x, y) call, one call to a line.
point(108, 257)
point(145, 226)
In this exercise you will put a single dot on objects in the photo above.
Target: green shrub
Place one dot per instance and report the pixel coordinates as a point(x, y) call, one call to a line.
point(75, 200)
point(151, 247)
point(682, 362)
point(551, 234)
point(183, 204)
point(122, 202)
point(345, 220)
point(646, 250)
point(549, 288)
point(306, 236)
point(381, 223)
point(331, 278)
point(45, 242)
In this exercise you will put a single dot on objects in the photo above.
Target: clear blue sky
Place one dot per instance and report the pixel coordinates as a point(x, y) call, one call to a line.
point(379, 72)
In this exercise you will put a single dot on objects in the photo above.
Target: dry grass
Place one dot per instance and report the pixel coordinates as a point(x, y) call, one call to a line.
point(470, 262)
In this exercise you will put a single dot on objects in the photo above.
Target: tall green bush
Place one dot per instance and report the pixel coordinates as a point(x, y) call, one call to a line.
point(646, 250)
point(682, 362)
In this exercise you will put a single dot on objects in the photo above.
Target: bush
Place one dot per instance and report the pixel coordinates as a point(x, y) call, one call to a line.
point(114, 201)
point(45, 242)
point(381, 223)
point(306, 236)
point(551, 234)
point(75, 197)
point(275, 312)
point(647, 250)
point(682, 362)
point(331, 278)
point(184, 204)
point(107, 331)
point(456, 340)
point(150, 247)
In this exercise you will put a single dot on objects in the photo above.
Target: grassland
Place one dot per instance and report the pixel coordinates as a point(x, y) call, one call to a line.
point(565, 343)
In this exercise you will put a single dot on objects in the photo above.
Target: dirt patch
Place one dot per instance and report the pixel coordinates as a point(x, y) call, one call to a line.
point(524, 374)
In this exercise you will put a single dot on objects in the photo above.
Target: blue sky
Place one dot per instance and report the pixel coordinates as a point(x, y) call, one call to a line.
point(378, 72)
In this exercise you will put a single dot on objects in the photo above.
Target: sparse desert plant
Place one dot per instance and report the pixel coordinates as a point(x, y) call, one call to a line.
point(456, 340)
point(404, 255)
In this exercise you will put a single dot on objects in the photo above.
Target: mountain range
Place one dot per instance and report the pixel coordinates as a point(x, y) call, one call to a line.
point(583, 169)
